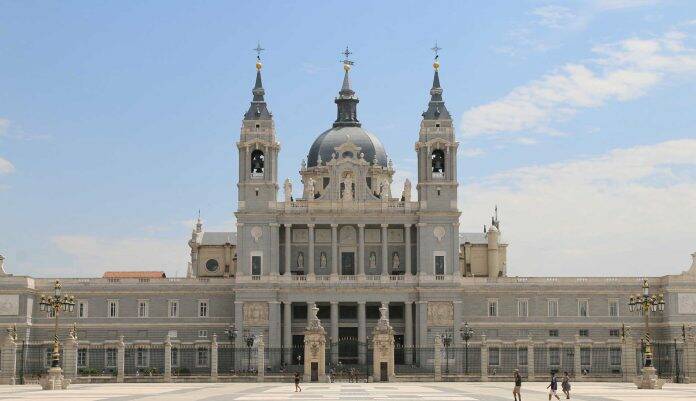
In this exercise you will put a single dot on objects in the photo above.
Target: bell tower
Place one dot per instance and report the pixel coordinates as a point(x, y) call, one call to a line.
point(437, 152)
point(258, 152)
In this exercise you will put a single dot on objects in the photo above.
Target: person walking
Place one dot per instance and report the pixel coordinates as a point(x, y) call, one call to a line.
point(553, 386)
point(565, 385)
point(518, 385)
point(297, 382)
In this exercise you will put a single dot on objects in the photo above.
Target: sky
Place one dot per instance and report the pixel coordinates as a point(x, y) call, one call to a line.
point(118, 121)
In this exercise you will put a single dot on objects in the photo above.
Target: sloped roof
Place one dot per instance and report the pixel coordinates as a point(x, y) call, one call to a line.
point(135, 274)
point(219, 238)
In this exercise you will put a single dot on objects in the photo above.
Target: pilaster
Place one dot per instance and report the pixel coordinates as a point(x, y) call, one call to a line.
point(8, 361)
point(484, 358)
point(167, 374)
point(214, 359)
point(70, 358)
point(530, 360)
point(577, 367)
point(310, 264)
point(334, 250)
point(361, 249)
point(260, 359)
point(385, 250)
point(407, 250)
point(408, 332)
point(287, 332)
point(334, 331)
point(362, 332)
point(288, 249)
point(120, 360)
point(437, 358)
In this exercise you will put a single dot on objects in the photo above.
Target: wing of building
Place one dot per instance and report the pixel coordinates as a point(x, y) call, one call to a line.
point(349, 243)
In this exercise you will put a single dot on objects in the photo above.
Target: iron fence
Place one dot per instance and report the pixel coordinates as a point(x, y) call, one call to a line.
point(416, 360)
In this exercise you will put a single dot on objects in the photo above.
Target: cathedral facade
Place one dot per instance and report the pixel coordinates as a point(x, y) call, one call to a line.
point(350, 244)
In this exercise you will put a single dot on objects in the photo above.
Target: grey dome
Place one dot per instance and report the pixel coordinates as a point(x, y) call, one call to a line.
point(326, 142)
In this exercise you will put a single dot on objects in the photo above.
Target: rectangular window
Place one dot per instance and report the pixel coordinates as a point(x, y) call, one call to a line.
point(203, 333)
point(613, 307)
point(553, 308)
point(142, 358)
point(522, 356)
point(203, 308)
point(82, 357)
point(492, 307)
point(256, 265)
point(615, 356)
point(554, 356)
point(202, 357)
point(173, 308)
point(522, 308)
point(143, 308)
point(112, 308)
point(172, 334)
point(585, 354)
point(81, 309)
point(175, 357)
point(614, 332)
point(439, 265)
point(111, 354)
point(584, 333)
point(494, 356)
point(553, 333)
point(583, 307)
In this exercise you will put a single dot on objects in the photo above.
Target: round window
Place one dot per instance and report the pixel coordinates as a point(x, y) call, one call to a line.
point(211, 265)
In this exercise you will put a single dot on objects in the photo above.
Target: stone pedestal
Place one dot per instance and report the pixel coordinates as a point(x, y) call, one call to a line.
point(120, 360)
point(260, 359)
point(628, 360)
point(530, 360)
point(214, 359)
point(437, 358)
point(383, 349)
point(315, 348)
point(8, 361)
point(54, 380)
point(70, 358)
point(484, 359)
point(167, 374)
point(649, 380)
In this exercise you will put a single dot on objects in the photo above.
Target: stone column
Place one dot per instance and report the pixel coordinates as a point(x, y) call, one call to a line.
point(383, 348)
point(310, 261)
point(530, 360)
point(361, 249)
point(315, 345)
point(273, 247)
point(239, 323)
point(70, 358)
point(484, 358)
point(408, 332)
point(274, 330)
point(420, 258)
point(287, 332)
point(577, 368)
point(628, 360)
point(362, 332)
point(456, 323)
point(8, 361)
point(385, 251)
point(120, 360)
point(437, 358)
point(288, 248)
point(407, 248)
point(334, 331)
point(167, 360)
point(690, 361)
point(214, 359)
point(334, 249)
point(260, 358)
point(422, 310)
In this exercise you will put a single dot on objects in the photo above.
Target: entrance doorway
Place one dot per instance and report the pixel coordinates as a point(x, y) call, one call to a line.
point(348, 263)
point(348, 345)
point(315, 372)
point(383, 369)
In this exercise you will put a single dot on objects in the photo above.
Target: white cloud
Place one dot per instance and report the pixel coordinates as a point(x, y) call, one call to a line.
point(625, 70)
point(608, 5)
point(558, 17)
point(5, 166)
point(627, 212)
point(94, 255)
point(472, 152)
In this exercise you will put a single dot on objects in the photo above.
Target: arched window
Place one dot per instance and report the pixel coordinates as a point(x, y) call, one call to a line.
point(257, 162)
point(438, 161)
point(211, 265)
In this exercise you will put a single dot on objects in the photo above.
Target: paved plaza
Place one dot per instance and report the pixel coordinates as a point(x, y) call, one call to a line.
point(340, 391)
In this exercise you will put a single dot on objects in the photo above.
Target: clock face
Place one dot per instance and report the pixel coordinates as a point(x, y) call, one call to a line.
point(211, 265)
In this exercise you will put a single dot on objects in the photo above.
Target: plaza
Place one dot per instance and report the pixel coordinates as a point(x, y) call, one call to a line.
point(430, 391)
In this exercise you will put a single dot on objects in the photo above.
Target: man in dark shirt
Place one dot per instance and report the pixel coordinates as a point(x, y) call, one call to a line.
point(518, 384)
point(553, 386)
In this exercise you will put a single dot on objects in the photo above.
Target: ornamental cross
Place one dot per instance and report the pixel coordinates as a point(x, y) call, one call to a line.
point(258, 50)
point(436, 50)
point(347, 54)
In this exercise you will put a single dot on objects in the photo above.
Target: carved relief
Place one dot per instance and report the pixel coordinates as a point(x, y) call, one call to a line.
point(395, 235)
point(256, 233)
point(9, 305)
point(322, 235)
point(255, 313)
point(440, 313)
point(300, 235)
point(347, 235)
point(372, 235)
point(439, 233)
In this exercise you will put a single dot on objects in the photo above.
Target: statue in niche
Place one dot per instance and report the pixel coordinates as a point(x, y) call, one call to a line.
point(373, 260)
point(322, 260)
point(396, 261)
point(288, 190)
point(310, 188)
point(300, 260)
point(348, 187)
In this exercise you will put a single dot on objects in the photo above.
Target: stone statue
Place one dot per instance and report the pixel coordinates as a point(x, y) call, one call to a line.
point(407, 190)
point(300, 260)
point(2, 266)
point(310, 188)
point(322, 260)
point(396, 261)
point(288, 190)
point(373, 260)
point(348, 187)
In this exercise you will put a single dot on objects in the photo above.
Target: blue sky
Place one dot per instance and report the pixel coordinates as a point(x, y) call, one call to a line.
point(118, 121)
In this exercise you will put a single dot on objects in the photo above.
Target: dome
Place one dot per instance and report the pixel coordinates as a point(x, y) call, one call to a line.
point(326, 143)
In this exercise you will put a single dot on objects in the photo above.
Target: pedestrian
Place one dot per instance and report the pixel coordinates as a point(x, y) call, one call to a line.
point(553, 386)
point(297, 382)
point(565, 385)
point(518, 385)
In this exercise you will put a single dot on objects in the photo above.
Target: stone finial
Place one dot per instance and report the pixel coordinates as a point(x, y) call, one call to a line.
point(287, 186)
point(2, 266)
point(691, 271)
point(314, 322)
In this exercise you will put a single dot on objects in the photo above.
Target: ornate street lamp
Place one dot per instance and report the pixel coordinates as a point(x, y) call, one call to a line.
point(55, 304)
point(249, 339)
point(645, 303)
point(446, 342)
point(466, 333)
point(232, 333)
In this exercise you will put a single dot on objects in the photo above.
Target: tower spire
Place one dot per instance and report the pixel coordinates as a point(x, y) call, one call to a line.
point(346, 102)
point(258, 109)
point(436, 106)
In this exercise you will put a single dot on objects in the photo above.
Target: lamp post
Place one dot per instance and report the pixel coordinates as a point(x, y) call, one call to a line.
point(232, 332)
point(446, 342)
point(645, 303)
point(56, 303)
point(249, 339)
point(466, 333)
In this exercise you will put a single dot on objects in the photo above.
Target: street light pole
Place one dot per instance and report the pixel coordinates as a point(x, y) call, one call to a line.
point(232, 332)
point(466, 333)
point(56, 303)
point(446, 341)
point(645, 303)
point(249, 339)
